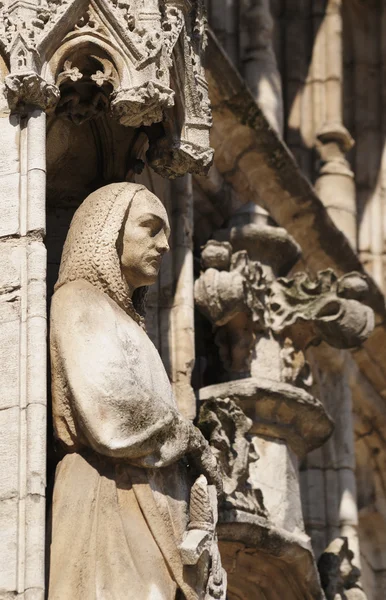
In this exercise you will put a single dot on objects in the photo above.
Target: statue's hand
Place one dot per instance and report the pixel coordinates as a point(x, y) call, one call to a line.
point(203, 459)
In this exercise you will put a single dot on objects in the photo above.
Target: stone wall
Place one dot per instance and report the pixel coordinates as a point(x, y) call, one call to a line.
point(22, 354)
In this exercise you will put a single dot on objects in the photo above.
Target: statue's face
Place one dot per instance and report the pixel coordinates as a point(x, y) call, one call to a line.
point(144, 241)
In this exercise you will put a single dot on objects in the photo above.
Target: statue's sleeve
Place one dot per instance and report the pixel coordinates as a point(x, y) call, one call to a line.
point(117, 414)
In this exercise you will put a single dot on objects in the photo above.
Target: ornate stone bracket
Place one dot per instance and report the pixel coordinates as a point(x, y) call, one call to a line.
point(142, 105)
point(300, 309)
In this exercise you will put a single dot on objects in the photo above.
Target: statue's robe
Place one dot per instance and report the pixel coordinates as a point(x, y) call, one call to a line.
point(121, 491)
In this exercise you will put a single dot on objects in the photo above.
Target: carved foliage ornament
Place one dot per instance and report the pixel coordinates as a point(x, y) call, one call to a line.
point(327, 308)
point(30, 89)
point(226, 427)
point(331, 307)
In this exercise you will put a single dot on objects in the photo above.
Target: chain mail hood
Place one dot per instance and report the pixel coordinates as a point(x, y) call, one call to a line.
point(90, 250)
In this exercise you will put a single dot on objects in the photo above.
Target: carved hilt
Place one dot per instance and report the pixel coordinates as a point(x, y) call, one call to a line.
point(199, 546)
point(202, 506)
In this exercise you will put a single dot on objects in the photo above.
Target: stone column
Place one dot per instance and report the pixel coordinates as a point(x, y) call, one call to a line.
point(336, 463)
point(170, 303)
point(263, 322)
point(224, 18)
point(260, 68)
point(335, 184)
point(23, 354)
point(181, 327)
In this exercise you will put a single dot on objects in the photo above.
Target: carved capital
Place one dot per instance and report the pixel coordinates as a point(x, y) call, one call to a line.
point(257, 314)
point(174, 157)
point(326, 308)
point(29, 89)
point(141, 105)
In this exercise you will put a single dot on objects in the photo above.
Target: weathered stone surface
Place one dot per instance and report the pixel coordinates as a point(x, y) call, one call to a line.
point(9, 450)
point(9, 545)
point(226, 427)
point(277, 182)
point(112, 253)
point(262, 559)
point(86, 75)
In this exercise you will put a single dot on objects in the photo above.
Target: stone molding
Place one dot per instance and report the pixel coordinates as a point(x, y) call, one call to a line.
point(273, 409)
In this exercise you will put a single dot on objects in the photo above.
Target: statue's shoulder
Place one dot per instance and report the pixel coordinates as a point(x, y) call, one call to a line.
point(80, 301)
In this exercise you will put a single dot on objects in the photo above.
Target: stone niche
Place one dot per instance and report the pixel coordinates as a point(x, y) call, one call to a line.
point(132, 94)
point(91, 93)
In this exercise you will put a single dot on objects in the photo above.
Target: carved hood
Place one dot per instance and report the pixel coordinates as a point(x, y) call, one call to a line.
point(90, 250)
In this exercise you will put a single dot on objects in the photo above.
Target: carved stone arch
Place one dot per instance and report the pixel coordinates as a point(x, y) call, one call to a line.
point(60, 19)
point(143, 41)
point(86, 71)
point(82, 45)
point(94, 30)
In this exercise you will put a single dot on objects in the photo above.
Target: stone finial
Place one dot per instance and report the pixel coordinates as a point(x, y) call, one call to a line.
point(199, 545)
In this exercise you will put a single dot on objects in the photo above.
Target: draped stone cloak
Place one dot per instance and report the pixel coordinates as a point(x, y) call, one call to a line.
point(121, 491)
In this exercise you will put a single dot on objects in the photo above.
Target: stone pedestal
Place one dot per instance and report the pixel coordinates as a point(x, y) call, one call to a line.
point(263, 323)
point(285, 424)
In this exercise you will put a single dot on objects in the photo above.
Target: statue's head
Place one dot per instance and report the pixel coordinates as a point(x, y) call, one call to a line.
point(143, 240)
point(116, 241)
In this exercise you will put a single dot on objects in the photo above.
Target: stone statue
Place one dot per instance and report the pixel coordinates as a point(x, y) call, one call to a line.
point(121, 523)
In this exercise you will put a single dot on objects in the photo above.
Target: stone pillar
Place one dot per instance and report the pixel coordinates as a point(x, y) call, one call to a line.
point(335, 184)
point(224, 18)
point(336, 463)
point(181, 326)
point(23, 355)
point(263, 323)
point(260, 68)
